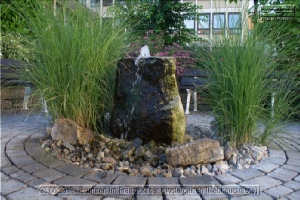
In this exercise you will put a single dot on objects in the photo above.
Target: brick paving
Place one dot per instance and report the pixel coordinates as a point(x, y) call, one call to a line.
point(25, 167)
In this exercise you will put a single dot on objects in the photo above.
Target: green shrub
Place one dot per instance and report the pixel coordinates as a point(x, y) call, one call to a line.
point(76, 56)
point(241, 69)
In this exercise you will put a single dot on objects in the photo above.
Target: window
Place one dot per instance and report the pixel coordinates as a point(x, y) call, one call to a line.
point(234, 22)
point(204, 24)
point(218, 22)
point(189, 23)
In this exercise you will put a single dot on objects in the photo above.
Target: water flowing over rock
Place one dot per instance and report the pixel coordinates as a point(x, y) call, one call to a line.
point(147, 104)
point(202, 151)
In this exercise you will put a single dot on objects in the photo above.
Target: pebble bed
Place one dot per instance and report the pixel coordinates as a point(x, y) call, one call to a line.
point(148, 159)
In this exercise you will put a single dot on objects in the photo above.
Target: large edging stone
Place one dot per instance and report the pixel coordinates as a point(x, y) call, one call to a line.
point(202, 151)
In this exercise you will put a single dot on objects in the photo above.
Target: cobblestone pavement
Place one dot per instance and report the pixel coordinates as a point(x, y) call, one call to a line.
point(25, 167)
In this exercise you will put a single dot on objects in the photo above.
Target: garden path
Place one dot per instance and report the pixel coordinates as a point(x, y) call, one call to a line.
point(24, 167)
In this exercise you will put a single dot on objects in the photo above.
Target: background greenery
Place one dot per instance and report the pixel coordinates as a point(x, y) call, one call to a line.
point(75, 60)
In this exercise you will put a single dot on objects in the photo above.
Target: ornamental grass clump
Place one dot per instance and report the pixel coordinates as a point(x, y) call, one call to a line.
point(250, 93)
point(76, 57)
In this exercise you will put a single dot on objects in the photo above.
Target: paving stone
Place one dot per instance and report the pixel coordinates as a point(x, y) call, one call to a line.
point(4, 177)
point(30, 193)
point(293, 162)
point(11, 146)
point(51, 162)
point(16, 153)
point(183, 197)
point(23, 176)
point(11, 185)
point(160, 185)
point(297, 178)
point(276, 153)
point(80, 197)
point(2, 198)
point(261, 196)
point(227, 179)
point(143, 197)
point(246, 174)
point(277, 161)
point(293, 155)
point(212, 195)
point(73, 170)
point(34, 168)
point(163, 181)
point(5, 162)
point(130, 181)
point(37, 183)
point(199, 181)
point(49, 174)
point(78, 184)
point(293, 196)
point(283, 174)
point(265, 166)
point(10, 170)
point(292, 167)
point(265, 182)
point(96, 176)
point(21, 161)
point(279, 191)
point(293, 184)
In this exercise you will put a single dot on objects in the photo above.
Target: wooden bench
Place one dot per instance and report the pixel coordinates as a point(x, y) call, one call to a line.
point(188, 81)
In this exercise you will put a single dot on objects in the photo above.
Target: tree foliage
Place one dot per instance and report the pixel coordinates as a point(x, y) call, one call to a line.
point(162, 17)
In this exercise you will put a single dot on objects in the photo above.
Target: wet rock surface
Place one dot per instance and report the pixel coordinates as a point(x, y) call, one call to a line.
point(147, 104)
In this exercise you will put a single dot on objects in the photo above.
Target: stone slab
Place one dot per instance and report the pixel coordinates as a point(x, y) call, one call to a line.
point(294, 155)
point(276, 161)
point(293, 185)
point(5, 162)
point(246, 174)
point(279, 191)
point(75, 182)
point(51, 162)
point(265, 167)
point(283, 174)
point(198, 181)
point(30, 193)
point(295, 195)
point(163, 181)
point(130, 181)
point(227, 179)
point(265, 182)
point(23, 176)
point(49, 174)
point(11, 185)
point(21, 161)
point(293, 162)
point(96, 176)
point(73, 170)
point(297, 178)
point(292, 167)
point(276, 153)
point(217, 194)
point(261, 196)
point(16, 153)
point(34, 168)
point(37, 182)
point(10, 170)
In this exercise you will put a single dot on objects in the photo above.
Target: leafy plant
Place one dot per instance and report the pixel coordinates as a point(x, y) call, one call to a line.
point(165, 18)
point(242, 70)
point(76, 56)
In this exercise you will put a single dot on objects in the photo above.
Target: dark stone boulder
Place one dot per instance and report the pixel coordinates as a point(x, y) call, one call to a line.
point(147, 104)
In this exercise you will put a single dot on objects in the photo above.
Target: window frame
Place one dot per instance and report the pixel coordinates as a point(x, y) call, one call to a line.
point(218, 30)
point(201, 30)
point(239, 23)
